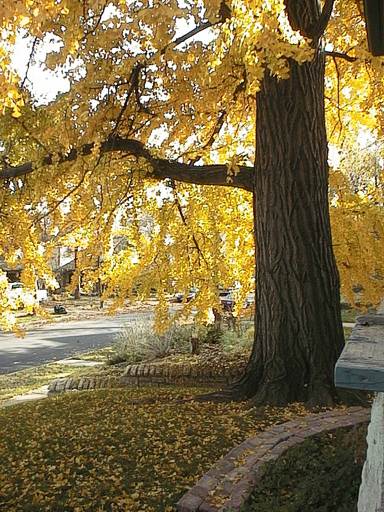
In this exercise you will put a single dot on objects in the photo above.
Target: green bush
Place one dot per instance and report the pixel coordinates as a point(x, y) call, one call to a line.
point(209, 334)
point(238, 340)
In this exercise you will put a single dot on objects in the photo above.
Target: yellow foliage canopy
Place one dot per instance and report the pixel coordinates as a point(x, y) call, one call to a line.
point(179, 79)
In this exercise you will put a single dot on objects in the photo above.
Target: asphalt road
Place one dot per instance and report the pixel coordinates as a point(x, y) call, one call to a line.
point(60, 340)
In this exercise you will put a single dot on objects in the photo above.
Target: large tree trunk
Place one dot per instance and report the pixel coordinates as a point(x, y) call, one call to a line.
point(298, 329)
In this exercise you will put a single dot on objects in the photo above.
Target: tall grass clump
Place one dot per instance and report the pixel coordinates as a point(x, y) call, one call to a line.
point(136, 342)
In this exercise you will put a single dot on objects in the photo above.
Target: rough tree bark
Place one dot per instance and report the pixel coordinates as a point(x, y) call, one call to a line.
point(298, 329)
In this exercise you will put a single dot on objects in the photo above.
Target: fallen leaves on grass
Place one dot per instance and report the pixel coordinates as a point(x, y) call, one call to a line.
point(17, 383)
point(102, 451)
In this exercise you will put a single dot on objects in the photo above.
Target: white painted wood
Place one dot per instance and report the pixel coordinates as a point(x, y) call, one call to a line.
point(371, 494)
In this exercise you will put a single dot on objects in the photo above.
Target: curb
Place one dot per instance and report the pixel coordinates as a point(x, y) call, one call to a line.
point(230, 482)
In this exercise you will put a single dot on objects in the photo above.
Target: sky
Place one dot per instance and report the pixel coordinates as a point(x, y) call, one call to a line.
point(41, 81)
point(46, 84)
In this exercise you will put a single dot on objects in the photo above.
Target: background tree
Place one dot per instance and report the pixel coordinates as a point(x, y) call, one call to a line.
point(169, 90)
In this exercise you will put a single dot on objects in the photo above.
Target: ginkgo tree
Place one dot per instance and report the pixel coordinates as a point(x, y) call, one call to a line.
point(227, 103)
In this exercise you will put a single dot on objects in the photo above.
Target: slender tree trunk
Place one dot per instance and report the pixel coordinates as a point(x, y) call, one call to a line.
point(298, 329)
point(77, 288)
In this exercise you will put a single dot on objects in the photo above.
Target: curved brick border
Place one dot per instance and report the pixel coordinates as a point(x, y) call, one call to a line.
point(230, 482)
point(156, 374)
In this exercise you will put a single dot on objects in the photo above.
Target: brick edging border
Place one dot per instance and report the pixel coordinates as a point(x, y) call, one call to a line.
point(230, 482)
point(144, 374)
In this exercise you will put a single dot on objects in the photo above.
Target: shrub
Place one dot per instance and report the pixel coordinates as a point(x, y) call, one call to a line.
point(210, 334)
point(136, 342)
point(130, 342)
point(239, 340)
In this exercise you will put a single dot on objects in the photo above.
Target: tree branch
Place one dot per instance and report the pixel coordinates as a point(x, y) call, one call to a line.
point(319, 28)
point(202, 174)
point(307, 18)
point(224, 14)
point(188, 35)
point(200, 253)
point(33, 49)
point(161, 168)
point(340, 55)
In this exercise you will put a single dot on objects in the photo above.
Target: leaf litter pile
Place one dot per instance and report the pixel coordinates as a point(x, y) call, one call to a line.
point(118, 450)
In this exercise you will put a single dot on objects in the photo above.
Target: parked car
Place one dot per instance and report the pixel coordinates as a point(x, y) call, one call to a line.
point(17, 290)
point(227, 299)
point(179, 297)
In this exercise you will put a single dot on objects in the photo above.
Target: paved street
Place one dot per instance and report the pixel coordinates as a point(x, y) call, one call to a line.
point(60, 340)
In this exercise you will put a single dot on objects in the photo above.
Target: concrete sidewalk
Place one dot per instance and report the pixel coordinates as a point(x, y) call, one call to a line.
point(42, 392)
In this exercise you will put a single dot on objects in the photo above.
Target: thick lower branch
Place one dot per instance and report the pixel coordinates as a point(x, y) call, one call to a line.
point(202, 174)
point(162, 168)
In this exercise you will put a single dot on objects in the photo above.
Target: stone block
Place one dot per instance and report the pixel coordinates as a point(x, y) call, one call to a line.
point(207, 507)
point(304, 433)
point(237, 500)
point(252, 460)
point(52, 386)
point(268, 457)
point(200, 491)
point(209, 480)
point(159, 370)
point(235, 452)
point(225, 465)
point(126, 372)
point(68, 384)
point(189, 503)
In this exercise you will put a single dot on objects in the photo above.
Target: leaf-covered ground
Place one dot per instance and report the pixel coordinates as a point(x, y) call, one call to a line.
point(105, 451)
point(23, 381)
point(321, 475)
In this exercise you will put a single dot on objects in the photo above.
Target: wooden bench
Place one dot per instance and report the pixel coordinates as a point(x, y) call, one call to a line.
point(361, 366)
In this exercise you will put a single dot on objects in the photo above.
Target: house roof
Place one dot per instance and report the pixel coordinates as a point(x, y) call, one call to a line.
point(374, 17)
point(67, 267)
point(5, 267)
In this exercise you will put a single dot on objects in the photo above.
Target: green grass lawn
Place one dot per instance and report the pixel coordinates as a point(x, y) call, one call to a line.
point(101, 354)
point(100, 451)
point(23, 381)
